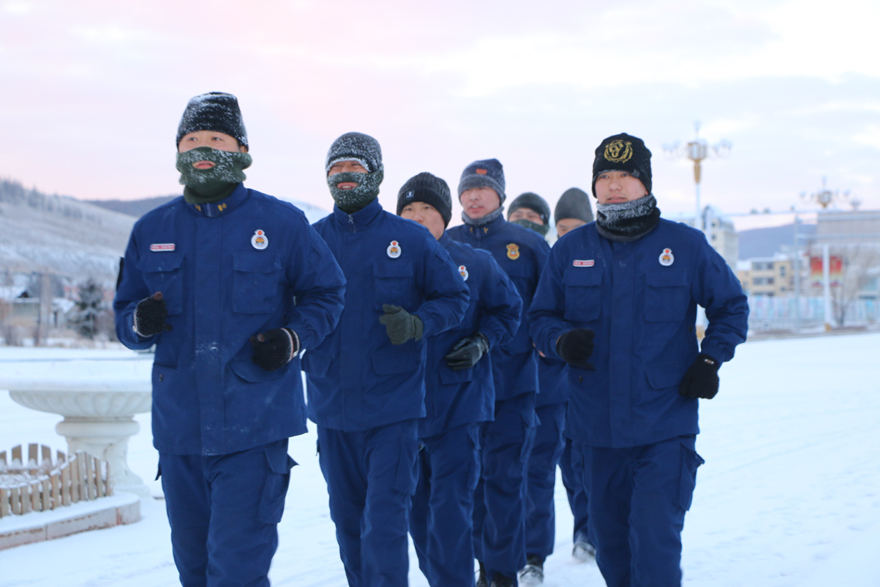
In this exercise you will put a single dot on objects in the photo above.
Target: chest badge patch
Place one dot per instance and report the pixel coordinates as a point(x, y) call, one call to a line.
point(162, 247)
point(580, 263)
point(259, 241)
point(393, 250)
point(666, 258)
point(464, 272)
point(513, 251)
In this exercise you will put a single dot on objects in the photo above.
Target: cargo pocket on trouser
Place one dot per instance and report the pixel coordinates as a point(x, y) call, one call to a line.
point(476, 459)
point(277, 482)
point(408, 461)
point(690, 462)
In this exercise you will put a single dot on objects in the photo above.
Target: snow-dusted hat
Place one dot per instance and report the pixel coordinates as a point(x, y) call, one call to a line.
point(532, 201)
point(623, 153)
point(485, 173)
point(215, 111)
point(429, 189)
point(573, 203)
point(355, 146)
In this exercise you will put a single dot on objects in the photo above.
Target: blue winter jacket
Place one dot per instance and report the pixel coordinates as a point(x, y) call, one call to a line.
point(452, 397)
point(641, 300)
point(553, 381)
point(222, 286)
point(522, 254)
point(357, 379)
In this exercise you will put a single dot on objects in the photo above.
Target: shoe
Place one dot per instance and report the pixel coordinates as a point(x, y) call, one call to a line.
point(481, 576)
point(500, 580)
point(583, 551)
point(533, 573)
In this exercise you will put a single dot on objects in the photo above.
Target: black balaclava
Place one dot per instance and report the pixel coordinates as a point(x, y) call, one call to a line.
point(430, 189)
point(364, 149)
point(485, 173)
point(536, 203)
point(217, 112)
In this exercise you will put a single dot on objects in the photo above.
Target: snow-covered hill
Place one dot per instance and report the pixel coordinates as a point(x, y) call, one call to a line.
point(59, 235)
point(69, 237)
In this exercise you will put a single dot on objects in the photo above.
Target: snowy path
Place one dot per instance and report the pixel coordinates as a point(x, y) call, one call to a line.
point(789, 495)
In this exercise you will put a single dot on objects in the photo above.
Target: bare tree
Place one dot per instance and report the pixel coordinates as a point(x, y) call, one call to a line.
point(860, 266)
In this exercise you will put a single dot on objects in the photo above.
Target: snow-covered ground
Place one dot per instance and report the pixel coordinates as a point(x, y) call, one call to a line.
point(789, 495)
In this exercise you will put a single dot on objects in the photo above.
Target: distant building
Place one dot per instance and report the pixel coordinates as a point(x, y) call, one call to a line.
point(721, 234)
point(853, 227)
point(719, 230)
point(766, 276)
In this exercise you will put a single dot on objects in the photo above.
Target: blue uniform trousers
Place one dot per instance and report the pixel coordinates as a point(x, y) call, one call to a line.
point(638, 499)
point(575, 489)
point(441, 521)
point(546, 452)
point(371, 476)
point(499, 502)
point(223, 511)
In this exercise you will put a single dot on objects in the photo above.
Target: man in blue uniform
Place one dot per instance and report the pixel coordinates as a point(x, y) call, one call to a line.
point(460, 393)
point(531, 211)
point(210, 279)
point(618, 302)
point(572, 211)
point(499, 508)
point(366, 381)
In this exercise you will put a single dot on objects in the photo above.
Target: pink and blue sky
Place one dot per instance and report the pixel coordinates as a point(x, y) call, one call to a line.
point(91, 91)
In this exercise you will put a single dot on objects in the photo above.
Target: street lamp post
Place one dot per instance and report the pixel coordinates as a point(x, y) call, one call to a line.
point(697, 151)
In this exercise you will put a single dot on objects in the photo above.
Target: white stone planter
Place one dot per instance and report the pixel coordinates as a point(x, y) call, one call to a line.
point(98, 399)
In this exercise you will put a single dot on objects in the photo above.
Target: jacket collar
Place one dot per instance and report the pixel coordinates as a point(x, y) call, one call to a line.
point(492, 226)
point(224, 206)
point(361, 219)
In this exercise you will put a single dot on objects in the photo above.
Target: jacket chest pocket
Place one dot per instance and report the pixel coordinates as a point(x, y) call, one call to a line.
point(164, 272)
point(667, 296)
point(583, 293)
point(393, 284)
point(256, 283)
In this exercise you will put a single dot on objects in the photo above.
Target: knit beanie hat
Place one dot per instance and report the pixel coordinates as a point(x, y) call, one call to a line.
point(532, 201)
point(623, 153)
point(486, 173)
point(574, 203)
point(355, 146)
point(214, 111)
point(429, 189)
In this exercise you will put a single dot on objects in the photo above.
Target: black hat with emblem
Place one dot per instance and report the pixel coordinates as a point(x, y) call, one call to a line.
point(429, 189)
point(214, 111)
point(623, 152)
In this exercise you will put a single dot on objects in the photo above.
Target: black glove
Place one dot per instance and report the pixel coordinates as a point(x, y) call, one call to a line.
point(467, 352)
point(575, 347)
point(149, 316)
point(401, 325)
point(274, 348)
point(701, 378)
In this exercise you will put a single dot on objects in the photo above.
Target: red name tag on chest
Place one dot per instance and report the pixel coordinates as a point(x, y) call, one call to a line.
point(589, 263)
point(162, 248)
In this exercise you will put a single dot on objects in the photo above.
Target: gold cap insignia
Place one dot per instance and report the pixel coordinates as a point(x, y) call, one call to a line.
point(513, 251)
point(618, 151)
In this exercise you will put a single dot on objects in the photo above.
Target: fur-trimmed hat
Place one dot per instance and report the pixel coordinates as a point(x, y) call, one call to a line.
point(573, 203)
point(429, 189)
point(623, 153)
point(532, 201)
point(485, 173)
point(214, 111)
point(355, 146)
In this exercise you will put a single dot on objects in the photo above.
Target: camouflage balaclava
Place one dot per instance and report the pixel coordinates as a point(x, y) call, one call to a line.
point(364, 149)
point(218, 112)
